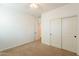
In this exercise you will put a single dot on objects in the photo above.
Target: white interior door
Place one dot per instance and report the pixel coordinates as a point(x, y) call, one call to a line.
point(55, 35)
point(69, 33)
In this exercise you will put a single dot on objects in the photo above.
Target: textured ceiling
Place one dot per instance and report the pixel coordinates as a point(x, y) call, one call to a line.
point(25, 7)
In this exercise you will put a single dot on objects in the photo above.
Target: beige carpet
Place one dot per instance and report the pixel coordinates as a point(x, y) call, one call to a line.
point(36, 49)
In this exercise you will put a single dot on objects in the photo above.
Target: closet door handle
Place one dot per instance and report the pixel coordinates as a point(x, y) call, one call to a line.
point(75, 36)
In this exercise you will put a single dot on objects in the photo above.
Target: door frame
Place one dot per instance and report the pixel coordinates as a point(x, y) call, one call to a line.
point(61, 29)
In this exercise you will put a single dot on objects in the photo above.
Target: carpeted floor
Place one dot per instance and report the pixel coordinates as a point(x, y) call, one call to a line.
point(36, 49)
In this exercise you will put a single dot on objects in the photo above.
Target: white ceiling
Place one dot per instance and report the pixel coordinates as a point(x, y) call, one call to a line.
point(25, 7)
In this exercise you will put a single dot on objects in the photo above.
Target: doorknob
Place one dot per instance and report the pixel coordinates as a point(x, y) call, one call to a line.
point(50, 33)
point(75, 36)
point(34, 32)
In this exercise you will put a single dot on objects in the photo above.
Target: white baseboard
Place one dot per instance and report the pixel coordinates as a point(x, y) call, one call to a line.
point(15, 46)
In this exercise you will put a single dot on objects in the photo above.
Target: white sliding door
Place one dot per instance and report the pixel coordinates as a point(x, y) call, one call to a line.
point(55, 33)
point(69, 33)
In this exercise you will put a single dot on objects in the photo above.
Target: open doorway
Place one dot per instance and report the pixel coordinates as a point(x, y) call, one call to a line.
point(38, 31)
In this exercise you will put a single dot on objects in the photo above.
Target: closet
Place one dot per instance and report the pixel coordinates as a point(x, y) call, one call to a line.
point(55, 32)
point(63, 33)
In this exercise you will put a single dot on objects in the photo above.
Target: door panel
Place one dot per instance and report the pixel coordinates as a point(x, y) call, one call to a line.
point(38, 31)
point(69, 31)
point(55, 35)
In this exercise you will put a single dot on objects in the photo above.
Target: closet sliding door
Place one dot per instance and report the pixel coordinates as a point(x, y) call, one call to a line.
point(55, 33)
point(69, 33)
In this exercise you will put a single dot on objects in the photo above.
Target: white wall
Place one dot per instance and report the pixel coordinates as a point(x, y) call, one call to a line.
point(67, 10)
point(16, 27)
